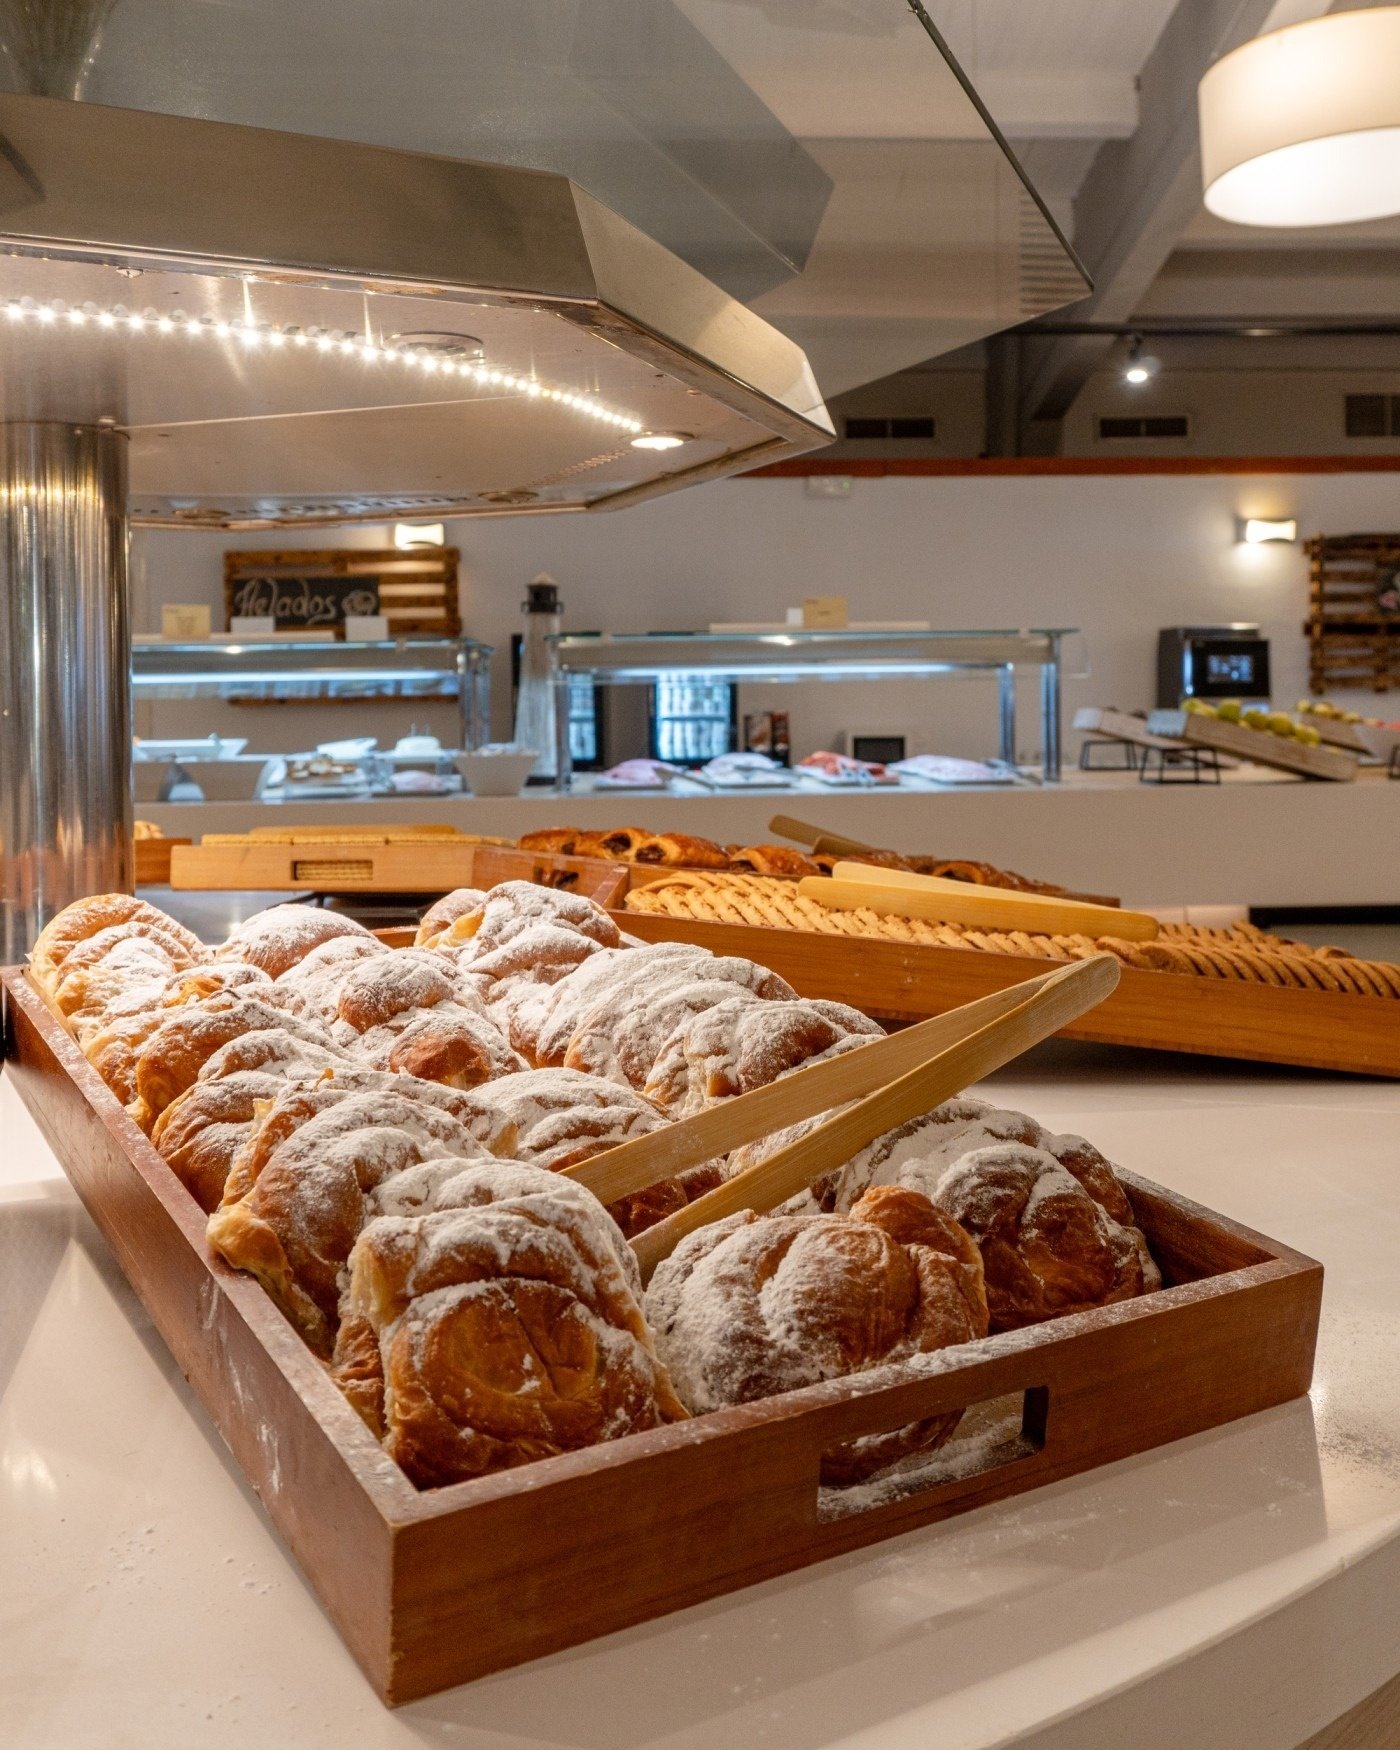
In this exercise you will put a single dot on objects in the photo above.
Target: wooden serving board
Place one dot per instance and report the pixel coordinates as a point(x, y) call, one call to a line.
point(1122, 726)
point(429, 866)
point(1167, 1011)
point(437, 1587)
point(1255, 745)
point(153, 860)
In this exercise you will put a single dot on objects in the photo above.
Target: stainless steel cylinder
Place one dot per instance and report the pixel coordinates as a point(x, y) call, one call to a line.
point(65, 644)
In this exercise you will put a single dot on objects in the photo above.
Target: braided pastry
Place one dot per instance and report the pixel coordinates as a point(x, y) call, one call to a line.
point(1240, 952)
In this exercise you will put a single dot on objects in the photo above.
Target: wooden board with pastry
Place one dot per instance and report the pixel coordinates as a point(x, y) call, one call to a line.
point(354, 1186)
point(648, 854)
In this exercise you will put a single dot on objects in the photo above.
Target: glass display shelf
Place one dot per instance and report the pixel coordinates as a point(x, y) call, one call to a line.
point(796, 654)
point(305, 670)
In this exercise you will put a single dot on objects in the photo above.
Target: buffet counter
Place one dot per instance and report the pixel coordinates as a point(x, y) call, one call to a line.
point(1256, 839)
point(1232, 1589)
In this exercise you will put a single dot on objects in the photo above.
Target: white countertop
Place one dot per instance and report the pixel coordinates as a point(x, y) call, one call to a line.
point(1259, 837)
point(1234, 1589)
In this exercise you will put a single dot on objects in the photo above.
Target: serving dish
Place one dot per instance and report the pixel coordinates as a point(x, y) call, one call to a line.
point(430, 1588)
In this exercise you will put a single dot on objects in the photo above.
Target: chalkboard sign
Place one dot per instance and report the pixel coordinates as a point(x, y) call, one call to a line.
point(310, 602)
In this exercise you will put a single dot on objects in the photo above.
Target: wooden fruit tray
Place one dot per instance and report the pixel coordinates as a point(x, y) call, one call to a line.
point(1168, 1011)
point(435, 1588)
point(433, 865)
point(1257, 746)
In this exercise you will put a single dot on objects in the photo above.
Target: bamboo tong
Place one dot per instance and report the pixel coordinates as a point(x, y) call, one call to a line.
point(892, 1080)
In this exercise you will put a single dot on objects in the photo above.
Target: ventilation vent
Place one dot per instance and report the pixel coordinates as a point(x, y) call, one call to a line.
point(883, 430)
point(1373, 416)
point(1154, 425)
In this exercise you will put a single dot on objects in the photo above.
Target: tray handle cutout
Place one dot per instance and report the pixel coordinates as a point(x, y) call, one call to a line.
point(990, 1434)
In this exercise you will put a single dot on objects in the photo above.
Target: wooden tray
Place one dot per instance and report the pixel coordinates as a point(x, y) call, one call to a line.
point(1257, 746)
point(153, 861)
point(434, 1588)
point(1169, 1011)
point(1121, 726)
point(434, 866)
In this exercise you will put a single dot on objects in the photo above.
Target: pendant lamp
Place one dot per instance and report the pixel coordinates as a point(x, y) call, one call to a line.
point(1302, 126)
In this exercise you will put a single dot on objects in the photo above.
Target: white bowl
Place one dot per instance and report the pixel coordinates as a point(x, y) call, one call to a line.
point(496, 774)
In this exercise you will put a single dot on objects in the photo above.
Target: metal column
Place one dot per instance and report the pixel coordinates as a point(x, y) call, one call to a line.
point(1006, 710)
point(65, 658)
point(1050, 714)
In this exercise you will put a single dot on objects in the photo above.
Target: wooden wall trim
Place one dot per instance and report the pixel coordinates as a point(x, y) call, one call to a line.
point(871, 467)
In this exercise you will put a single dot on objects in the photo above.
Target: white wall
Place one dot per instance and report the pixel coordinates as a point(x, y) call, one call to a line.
point(1117, 556)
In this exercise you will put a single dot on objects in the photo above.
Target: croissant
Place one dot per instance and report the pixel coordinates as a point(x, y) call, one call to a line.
point(277, 938)
point(501, 1326)
point(1047, 1246)
point(294, 1200)
point(754, 1305)
point(83, 919)
point(739, 1044)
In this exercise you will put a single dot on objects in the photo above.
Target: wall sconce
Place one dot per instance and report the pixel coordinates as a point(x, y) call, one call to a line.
point(409, 535)
point(1255, 531)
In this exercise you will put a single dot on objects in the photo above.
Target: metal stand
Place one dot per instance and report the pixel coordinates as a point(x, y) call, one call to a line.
point(65, 658)
point(1180, 765)
point(1127, 762)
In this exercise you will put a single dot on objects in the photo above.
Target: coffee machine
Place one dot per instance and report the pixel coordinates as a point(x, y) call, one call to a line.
point(1211, 662)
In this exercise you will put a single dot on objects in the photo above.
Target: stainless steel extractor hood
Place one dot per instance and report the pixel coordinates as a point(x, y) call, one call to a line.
point(295, 330)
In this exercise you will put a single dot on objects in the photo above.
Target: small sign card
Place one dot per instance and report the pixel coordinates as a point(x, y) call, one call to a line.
point(824, 612)
point(367, 628)
point(182, 621)
point(253, 626)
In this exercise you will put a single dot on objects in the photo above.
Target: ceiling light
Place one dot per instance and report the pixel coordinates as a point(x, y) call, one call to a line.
point(410, 535)
point(1141, 367)
point(1302, 126)
point(1256, 530)
point(449, 355)
point(660, 440)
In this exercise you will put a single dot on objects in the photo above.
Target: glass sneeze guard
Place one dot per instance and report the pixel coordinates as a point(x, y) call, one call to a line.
point(798, 654)
point(297, 668)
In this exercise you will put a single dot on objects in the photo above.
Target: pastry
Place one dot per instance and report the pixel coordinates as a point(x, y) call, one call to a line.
point(679, 850)
point(754, 1305)
point(440, 916)
point(170, 1060)
point(779, 860)
point(516, 906)
point(620, 845)
point(738, 1044)
point(83, 919)
point(295, 1198)
point(555, 840)
point(1048, 1248)
point(559, 1118)
point(501, 1326)
point(277, 938)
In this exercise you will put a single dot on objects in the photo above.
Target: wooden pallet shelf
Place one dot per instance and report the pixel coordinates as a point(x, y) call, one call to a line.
point(1354, 642)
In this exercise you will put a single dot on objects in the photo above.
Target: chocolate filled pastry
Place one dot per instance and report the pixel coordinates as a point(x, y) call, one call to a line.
point(501, 1326)
point(560, 1118)
point(773, 860)
point(738, 1045)
point(754, 1305)
point(171, 1059)
point(296, 1196)
point(440, 916)
point(1047, 1246)
point(558, 841)
point(83, 919)
point(618, 846)
point(679, 850)
point(277, 938)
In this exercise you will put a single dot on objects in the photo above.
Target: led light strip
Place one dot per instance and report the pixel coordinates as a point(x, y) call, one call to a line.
point(258, 335)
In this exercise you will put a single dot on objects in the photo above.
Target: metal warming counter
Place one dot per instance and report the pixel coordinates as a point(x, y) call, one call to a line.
point(620, 658)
